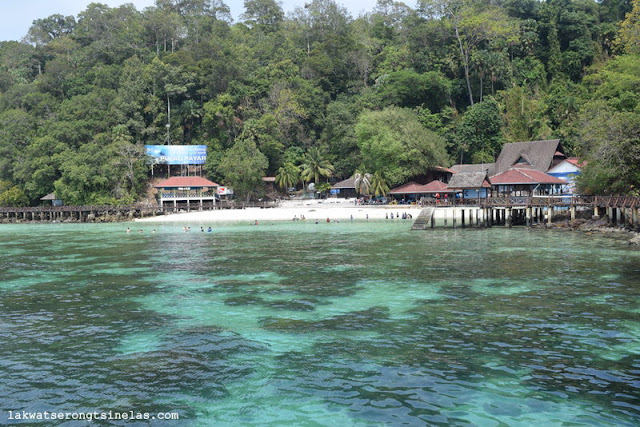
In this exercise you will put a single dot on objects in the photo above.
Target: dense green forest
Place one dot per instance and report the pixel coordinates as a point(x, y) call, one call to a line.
point(316, 92)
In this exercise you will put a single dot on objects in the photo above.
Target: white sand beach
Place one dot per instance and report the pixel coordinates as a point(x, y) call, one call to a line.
point(334, 209)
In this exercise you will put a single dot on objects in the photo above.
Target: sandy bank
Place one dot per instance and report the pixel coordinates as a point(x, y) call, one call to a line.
point(311, 210)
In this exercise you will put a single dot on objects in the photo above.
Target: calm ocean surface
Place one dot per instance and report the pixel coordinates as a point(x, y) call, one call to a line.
point(331, 324)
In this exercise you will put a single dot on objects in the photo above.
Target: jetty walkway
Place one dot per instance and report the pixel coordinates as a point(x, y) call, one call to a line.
point(112, 213)
point(508, 211)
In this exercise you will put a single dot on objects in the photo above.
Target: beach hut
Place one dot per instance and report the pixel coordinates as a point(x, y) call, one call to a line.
point(51, 197)
point(270, 184)
point(344, 189)
point(187, 190)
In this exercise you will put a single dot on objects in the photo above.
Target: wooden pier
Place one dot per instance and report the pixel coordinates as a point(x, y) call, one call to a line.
point(111, 213)
point(508, 211)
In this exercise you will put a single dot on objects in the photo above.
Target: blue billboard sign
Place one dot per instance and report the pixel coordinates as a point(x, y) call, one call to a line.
point(178, 154)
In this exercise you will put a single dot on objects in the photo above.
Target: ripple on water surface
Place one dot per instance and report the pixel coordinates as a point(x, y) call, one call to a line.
point(336, 324)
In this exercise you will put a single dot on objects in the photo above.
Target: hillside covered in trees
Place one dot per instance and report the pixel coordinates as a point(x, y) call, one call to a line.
point(390, 93)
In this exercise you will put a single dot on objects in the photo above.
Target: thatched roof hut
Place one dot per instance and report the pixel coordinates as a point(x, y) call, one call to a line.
point(469, 181)
point(539, 155)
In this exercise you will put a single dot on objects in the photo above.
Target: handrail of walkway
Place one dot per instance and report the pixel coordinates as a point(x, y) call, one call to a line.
point(540, 201)
point(169, 207)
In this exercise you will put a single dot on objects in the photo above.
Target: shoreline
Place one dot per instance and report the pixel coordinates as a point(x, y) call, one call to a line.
point(315, 211)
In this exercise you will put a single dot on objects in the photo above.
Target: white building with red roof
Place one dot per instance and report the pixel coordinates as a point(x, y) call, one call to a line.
point(187, 190)
point(523, 181)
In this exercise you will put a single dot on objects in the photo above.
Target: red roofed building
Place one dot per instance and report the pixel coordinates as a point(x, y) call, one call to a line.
point(412, 191)
point(187, 190)
point(526, 182)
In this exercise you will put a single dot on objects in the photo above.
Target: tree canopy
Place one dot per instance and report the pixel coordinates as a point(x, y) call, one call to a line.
point(389, 93)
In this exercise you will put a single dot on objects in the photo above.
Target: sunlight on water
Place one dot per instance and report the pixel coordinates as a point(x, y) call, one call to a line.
point(352, 323)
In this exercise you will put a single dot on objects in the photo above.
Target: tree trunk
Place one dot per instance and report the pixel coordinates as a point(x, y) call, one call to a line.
point(465, 61)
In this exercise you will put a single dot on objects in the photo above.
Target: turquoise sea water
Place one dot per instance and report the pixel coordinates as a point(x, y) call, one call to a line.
point(331, 324)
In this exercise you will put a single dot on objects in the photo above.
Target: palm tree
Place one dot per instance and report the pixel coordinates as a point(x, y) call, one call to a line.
point(315, 166)
point(288, 175)
point(379, 186)
point(362, 181)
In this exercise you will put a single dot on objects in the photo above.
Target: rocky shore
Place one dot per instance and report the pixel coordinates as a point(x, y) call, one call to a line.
point(598, 226)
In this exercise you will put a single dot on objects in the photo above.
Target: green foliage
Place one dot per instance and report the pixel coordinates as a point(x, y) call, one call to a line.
point(379, 185)
point(394, 143)
point(323, 187)
point(362, 181)
point(628, 39)
point(610, 144)
point(479, 134)
point(523, 116)
point(12, 195)
point(316, 166)
point(80, 99)
point(618, 82)
point(243, 167)
point(288, 176)
point(409, 89)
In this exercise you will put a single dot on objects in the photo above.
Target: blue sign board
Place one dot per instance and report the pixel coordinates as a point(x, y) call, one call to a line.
point(178, 154)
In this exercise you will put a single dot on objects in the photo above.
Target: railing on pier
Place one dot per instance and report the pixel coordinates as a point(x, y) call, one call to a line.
point(87, 212)
point(540, 201)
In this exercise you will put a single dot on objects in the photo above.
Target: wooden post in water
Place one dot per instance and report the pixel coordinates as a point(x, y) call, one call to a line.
point(620, 215)
point(463, 224)
point(573, 213)
point(549, 215)
point(508, 217)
